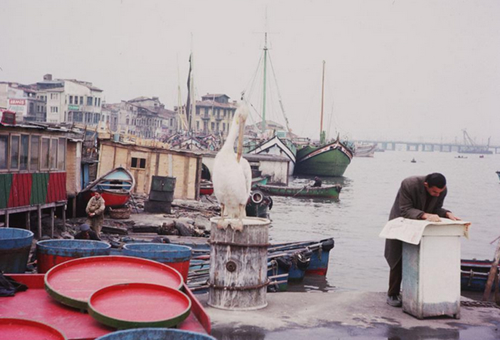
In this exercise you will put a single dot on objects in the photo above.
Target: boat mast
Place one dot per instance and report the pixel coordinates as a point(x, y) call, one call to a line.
point(264, 87)
point(321, 132)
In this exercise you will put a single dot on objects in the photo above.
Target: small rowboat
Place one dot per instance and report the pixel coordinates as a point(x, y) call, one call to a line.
point(115, 187)
point(259, 181)
point(474, 274)
point(206, 187)
point(326, 191)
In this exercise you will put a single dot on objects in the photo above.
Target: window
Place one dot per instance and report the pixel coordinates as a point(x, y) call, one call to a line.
point(139, 163)
point(53, 153)
point(70, 116)
point(35, 153)
point(14, 152)
point(212, 126)
point(71, 99)
point(81, 100)
point(4, 139)
point(61, 154)
point(95, 101)
point(224, 126)
point(44, 158)
point(89, 101)
point(32, 108)
point(23, 159)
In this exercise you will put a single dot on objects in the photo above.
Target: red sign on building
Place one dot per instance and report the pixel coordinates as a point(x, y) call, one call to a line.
point(17, 101)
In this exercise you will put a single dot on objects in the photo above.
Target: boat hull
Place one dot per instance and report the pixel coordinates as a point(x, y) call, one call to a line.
point(327, 191)
point(112, 199)
point(115, 188)
point(474, 274)
point(330, 160)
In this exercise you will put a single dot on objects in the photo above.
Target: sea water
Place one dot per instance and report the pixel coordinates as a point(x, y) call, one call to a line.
point(369, 189)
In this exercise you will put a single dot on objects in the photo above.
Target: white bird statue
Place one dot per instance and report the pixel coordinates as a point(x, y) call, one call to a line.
point(232, 176)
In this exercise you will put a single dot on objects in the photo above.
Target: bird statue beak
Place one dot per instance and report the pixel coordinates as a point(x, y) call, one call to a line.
point(239, 148)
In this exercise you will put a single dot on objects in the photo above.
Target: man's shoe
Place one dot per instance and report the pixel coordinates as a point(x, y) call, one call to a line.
point(394, 301)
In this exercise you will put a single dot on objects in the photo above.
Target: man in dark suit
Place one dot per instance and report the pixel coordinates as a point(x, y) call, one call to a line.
point(419, 198)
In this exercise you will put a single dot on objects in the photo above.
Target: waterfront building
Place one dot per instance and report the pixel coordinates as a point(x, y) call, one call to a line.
point(70, 101)
point(23, 100)
point(143, 117)
point(213, 115)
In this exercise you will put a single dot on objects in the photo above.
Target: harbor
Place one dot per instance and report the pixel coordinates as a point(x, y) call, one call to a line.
point(350, 300)
point(249, 171)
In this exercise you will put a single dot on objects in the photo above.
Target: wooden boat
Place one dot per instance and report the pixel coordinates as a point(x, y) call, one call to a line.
point(115, 187)
point(330, 159)
point(364, 150)
point(260, 180)
point(287, 262)
point(326, 191)
point(474, 274)
point(206, 187)
point(280, 146)
point(327, 159)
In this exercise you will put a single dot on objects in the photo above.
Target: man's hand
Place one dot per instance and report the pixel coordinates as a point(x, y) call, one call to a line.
point(452, 217)
point(431, 217)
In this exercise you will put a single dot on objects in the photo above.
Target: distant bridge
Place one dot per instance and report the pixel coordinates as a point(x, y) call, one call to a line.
point(423, 146)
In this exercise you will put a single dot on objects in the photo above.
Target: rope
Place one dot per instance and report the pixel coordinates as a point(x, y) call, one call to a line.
point(257, 245)
point(239, 288)
point(486, 304)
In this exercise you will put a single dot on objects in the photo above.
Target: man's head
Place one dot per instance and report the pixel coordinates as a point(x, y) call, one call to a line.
point(97, 195)
point(435, 184)
point(85, 230)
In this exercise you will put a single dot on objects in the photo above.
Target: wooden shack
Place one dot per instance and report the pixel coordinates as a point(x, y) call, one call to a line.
point(32, 170)
point(147, 161)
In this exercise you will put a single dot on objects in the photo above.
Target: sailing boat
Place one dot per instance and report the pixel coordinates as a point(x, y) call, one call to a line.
point(327, 159)
point(279, 143)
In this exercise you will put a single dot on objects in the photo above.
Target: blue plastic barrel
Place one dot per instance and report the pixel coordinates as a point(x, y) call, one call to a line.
point(15, 245)
point(176, 256)
point(155, 334)
point(50, 253)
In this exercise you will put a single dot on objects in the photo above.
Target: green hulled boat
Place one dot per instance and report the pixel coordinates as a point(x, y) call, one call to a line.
point(328, 160)
point(326, 191)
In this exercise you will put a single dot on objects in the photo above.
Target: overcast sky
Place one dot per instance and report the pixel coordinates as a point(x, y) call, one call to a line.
point(408, 70)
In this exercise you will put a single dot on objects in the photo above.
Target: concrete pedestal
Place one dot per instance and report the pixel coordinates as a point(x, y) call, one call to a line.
point(431, 272)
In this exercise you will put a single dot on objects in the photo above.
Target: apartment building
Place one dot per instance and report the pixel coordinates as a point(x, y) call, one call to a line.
point(71, 100)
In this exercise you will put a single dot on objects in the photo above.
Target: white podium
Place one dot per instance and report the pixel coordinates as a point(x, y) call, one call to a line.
point(431, 265)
